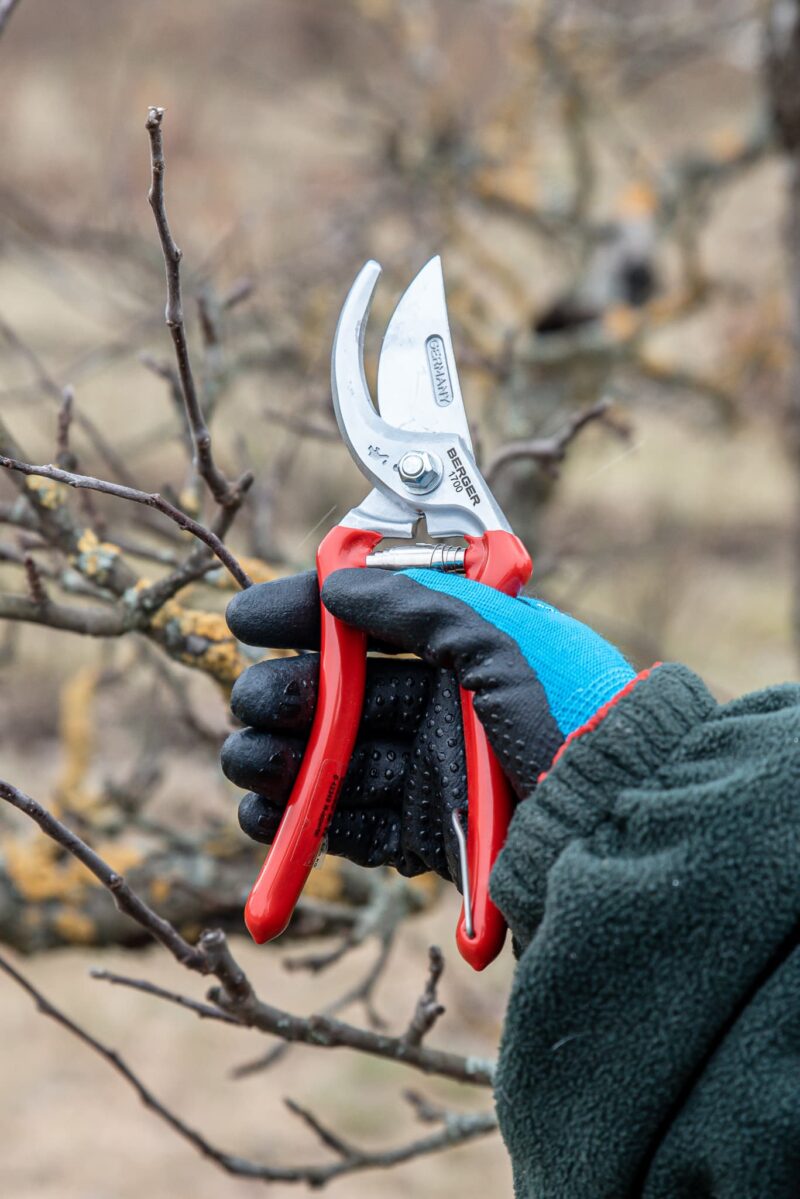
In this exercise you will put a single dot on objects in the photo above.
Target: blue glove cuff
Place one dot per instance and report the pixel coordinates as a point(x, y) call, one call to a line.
point(578, 669)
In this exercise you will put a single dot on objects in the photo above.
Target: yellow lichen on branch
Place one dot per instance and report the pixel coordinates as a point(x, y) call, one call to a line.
point(189, 501)
point(621, 322)
point(328, 883)
point(159, 890)
point(33, 866)
point(258, 570)
point(94, 558)
point(49, 494)
point(76, 728)
point(75, 926)
point(33, 869)
point(201, 639)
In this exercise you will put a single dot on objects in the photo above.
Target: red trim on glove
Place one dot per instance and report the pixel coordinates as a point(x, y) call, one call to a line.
point(594, 721)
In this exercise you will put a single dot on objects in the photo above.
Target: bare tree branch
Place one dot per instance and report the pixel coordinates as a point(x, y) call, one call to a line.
point(49, 387)
point(428, 1009)
point(36, 586)
point(90, 621)
point(424, 1109)
point(328, 1033)
point(203, 1010)
point(166, 371)
point(549, 451)
point(223, 492)
point(329, 1139)
point(239, 291)
point(457, 1130)
point(150, 499)
point(235, 995)
point(361, 992)
point(64, 456)
point(65, 577)
point(126, 900)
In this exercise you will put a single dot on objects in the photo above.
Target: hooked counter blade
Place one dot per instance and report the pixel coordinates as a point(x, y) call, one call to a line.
point(418, 384)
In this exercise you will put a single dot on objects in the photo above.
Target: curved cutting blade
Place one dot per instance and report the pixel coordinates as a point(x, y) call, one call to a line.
point(418, 384)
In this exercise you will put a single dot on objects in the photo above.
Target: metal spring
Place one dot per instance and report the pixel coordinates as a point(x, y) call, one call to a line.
point(439, 556)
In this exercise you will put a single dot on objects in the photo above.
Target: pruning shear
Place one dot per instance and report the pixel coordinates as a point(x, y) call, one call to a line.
point(416, 451)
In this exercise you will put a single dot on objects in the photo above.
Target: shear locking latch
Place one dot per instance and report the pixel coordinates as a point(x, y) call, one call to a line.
point(463, 870)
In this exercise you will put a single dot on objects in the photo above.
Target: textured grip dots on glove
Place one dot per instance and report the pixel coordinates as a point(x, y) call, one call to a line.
point(408, 756)
point(534, 673)
point(578, 669)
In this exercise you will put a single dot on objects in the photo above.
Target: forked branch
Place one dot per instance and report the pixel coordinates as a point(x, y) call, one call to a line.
point(234, 1001)
point(235, 995)
point(226, 494)
point(149, 499)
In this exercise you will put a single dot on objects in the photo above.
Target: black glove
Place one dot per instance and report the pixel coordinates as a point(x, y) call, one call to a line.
point(407, 773)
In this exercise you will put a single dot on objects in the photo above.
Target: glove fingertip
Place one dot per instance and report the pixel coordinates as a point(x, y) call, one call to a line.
point(345, 586)
point(228, 754)
point(283, 614)
point(232, 611)
point(258, 819)
point(374, 600)
point(245, 613)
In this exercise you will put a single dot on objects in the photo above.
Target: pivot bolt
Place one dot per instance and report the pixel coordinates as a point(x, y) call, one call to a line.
point(420, 471)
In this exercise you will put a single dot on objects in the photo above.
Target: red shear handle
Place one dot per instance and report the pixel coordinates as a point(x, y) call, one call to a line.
point(342, 672)
point(500, 560)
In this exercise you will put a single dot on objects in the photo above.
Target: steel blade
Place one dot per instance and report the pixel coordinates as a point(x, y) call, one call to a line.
point(418, 384)
point(460, 503)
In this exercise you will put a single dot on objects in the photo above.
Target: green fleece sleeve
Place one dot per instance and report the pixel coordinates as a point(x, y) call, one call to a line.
point(652, 883)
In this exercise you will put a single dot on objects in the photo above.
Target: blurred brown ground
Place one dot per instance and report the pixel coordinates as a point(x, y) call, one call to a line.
point(677, 546)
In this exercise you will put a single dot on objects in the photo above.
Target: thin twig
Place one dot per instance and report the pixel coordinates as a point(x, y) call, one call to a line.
point(236, 996)
point(207, 468)
point(35, 581)
point(360, 992)
point(330, 1139)
point(457, 1130)
point(239, 291)
point(150, 499)
point(203, 1010)
point(65, 577)
point(124, 897)
point(425, 1109)
point(89, 621)
point(64, 456)
point(197, 563)
point(548, 451)
point(167, 372)
point(428, 1009)
point(391, 901)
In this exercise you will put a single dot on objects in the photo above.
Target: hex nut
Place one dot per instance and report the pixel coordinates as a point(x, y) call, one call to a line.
point(420, 470)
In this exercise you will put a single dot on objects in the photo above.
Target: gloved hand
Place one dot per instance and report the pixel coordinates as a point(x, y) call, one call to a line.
point(537, 674)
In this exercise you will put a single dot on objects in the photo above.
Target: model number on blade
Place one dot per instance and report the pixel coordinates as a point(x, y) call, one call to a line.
point(460, 479)
point(440, 375)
